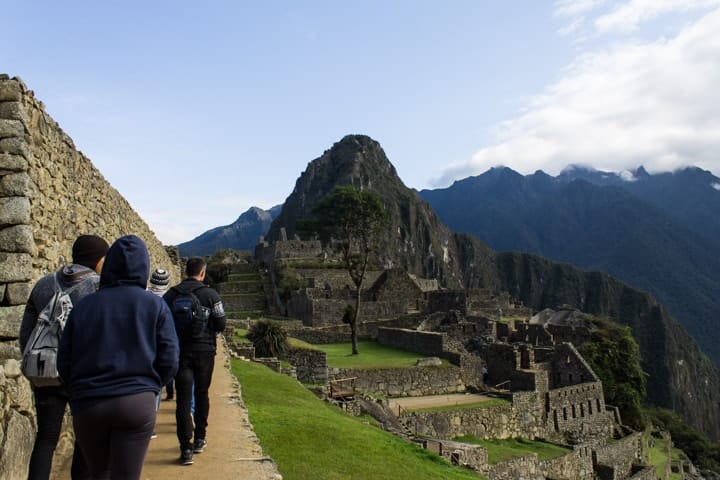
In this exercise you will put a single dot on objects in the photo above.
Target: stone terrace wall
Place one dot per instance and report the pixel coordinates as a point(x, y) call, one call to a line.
point(519, 468)
point(49, 194)
point(403, 382)
point(521, 418)
point(310, 365)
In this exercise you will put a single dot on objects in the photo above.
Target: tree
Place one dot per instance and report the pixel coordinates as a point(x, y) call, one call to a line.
point(354, 219)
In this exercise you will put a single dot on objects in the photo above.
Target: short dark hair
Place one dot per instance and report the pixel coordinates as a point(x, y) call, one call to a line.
point(194, 266)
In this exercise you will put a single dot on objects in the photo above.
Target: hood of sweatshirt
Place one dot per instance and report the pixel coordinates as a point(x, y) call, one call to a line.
point(126, 263)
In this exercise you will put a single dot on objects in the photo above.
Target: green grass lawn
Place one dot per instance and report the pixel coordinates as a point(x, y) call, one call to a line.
point(310, 439)
point(371, 355)
point(501, 450)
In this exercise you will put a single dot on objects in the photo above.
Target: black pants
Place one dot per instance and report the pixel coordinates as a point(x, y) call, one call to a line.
point(50, 403)
point(197, 368)
point(114, 435)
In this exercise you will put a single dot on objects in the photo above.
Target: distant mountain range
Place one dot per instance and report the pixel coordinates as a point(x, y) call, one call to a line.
point(242, 234)
point(659, 233)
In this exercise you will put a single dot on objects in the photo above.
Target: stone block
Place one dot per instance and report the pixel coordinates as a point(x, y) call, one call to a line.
point(15, 267)
point(15, 455)
point(11, 128)
point(10, 320)
point(10, 91)
point(13, 111)
point(12, 369)
point(14, 146)
point(17, 239)
point(9, 350)
point(15, 184)
point(12, 163)
point(17, 293)
point(14, 211)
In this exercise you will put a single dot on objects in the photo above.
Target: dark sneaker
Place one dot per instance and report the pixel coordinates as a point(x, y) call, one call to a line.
point(186, 457)
point(200, 445)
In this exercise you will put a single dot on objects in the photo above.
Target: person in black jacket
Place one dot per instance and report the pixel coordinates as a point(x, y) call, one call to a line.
point(197, 357)
point(88, 254)
point(118, 349)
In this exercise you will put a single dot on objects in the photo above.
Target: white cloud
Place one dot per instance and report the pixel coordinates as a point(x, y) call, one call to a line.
point(574, 8)
point(652, 103)
point(716, 186)
point(629, 15)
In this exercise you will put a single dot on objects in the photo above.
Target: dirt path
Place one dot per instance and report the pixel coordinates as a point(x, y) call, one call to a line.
point(233, 450)
point(435, 401)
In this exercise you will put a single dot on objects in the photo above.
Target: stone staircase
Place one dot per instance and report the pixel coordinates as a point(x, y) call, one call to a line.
point(243, 293)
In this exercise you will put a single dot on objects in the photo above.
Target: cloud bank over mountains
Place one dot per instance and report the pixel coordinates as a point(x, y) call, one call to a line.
point(634, 97)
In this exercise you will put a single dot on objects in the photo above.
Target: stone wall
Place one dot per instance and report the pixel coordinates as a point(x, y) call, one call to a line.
point(49, 194)
point(340, 333)
point(572, 466)
point(310, 365)
point(579, 409)
point(431, 344)
point(620, 455)
point(518, 468)
point(521, 418)
point(404, 382)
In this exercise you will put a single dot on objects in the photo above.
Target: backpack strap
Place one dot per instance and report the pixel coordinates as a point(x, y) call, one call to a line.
point(69, 290)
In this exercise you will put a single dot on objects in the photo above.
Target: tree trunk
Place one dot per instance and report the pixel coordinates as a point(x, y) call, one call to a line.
point(354, 323)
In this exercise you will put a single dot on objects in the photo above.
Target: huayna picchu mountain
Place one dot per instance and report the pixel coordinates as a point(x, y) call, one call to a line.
point(242, 234)
point(659, 233)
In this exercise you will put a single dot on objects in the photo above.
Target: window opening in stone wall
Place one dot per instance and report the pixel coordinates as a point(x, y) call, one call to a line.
point(555, 420)
point(597, 400)
point(564, 413)
point(589, 407)
point(573, 412)
point(582, 411)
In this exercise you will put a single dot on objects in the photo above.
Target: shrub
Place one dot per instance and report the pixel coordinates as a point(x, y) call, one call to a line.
point(268, 338)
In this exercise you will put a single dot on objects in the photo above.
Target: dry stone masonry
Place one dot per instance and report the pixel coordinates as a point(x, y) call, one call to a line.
point(49, 194)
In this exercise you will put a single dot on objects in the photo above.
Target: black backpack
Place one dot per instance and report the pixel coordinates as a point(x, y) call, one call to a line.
point(191, 318)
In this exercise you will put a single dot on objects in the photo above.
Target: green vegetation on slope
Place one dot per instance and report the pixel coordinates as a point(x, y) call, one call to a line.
point(310, 439)
point(502, 450)
point(372, 355)
point(615, 357)
point(701, 451)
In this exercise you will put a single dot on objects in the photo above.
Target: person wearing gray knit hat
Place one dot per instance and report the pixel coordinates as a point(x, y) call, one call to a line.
point(159, 282)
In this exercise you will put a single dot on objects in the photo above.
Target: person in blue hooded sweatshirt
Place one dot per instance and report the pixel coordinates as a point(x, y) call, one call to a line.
point(118, 349)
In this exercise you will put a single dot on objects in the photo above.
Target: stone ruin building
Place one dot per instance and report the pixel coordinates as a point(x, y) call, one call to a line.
point(531, 360)
point(49, 194)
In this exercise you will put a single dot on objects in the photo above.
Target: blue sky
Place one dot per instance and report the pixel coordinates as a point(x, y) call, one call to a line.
point(196, 112)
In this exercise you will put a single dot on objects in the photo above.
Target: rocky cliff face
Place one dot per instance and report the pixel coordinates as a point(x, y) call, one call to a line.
point(679, 375)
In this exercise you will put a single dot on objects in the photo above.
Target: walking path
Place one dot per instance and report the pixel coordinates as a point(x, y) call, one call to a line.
point(233, 450)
